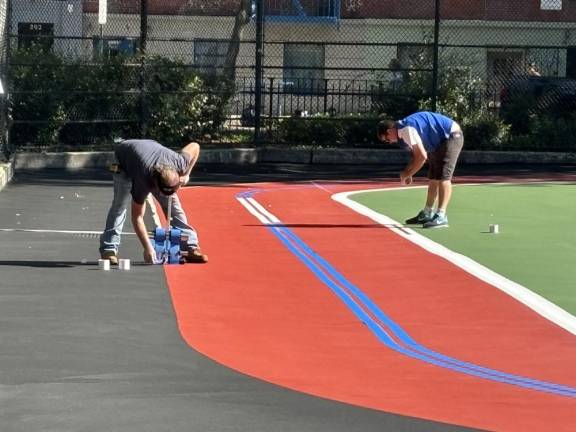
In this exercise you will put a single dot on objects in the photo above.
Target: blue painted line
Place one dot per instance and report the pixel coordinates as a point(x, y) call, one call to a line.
point(387, 339)
point(356, 301)
point(314, 259)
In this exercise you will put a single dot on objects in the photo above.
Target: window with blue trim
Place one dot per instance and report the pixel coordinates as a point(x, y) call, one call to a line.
point(108, 47)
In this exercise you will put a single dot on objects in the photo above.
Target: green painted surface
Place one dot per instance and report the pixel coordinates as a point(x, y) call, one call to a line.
point(536, 246)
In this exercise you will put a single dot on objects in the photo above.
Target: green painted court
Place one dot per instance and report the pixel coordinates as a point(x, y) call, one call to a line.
point(536, 244)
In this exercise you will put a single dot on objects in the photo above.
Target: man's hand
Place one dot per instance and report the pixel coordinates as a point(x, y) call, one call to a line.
point(184, 180)
point(149, 256)
point(419, 157)
point(405, 179)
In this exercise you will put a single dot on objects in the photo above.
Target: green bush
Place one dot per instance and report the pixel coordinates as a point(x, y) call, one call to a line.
point(324, 130)
point(360, 130)
point(485, 133)
point(35, 110)
point(546, 133)
point(319, 130)
point(70, 103)
point(178, 102)
point(541, 133)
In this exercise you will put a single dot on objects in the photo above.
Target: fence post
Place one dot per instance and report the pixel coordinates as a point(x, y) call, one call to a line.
point(143, 38)
point(258, 65)
point(8, 149)
point(435, 56)
point(325, 95)
point(143, 25)
point(270, 106)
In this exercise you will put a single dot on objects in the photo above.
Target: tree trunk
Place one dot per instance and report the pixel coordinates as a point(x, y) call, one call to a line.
point(242, 18)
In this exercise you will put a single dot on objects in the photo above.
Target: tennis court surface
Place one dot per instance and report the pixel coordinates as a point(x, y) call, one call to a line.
point(309, 316)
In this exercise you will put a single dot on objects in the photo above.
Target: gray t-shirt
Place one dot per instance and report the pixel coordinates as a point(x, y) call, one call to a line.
point(138, 159)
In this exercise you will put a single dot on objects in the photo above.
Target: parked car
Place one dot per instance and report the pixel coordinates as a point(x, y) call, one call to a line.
point(537, 95)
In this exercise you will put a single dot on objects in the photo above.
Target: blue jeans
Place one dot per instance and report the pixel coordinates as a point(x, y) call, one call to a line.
point(110, 238)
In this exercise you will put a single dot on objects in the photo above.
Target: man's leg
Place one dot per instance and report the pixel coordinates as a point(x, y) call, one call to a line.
point(453, 148)
point(110, 238)
point(180, 221)
point(433, 192)
point(444, 194)
point(427, 212)
point(451, 151)
point(439, 218)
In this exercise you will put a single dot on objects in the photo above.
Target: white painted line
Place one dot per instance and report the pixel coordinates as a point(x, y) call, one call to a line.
point(246, 203)
point(273, 219)
point(149, 200)
point(529, 298)
point(319, 186)
point(55, 231)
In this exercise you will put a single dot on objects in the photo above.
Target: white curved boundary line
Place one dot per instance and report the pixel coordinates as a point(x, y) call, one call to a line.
point(537, 303)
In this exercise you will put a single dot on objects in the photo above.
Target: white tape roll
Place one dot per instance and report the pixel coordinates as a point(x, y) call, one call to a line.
point(104, 264)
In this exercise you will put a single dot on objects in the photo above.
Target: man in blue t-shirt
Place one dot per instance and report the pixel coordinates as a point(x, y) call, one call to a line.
point(434, 138)
point(147, 167)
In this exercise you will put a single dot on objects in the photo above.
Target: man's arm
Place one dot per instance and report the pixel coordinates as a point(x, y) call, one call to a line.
point(138, 211)
point(419, 157)
point(193, 151)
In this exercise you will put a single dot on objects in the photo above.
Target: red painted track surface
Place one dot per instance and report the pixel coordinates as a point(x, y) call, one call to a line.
point(257, 309)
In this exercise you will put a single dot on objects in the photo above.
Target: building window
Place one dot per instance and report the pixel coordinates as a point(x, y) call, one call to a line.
point(108, 47)
point(304, 68)
point(210, 55)
point(36, 36)
point(551, 5)
point(302, 8)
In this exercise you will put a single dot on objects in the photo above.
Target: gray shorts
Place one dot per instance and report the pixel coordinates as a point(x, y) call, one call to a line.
point(442, 161)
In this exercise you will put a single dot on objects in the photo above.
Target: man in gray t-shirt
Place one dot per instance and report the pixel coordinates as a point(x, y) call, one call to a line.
point(146, 166)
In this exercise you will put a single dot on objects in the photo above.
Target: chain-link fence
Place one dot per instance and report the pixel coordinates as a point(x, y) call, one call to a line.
point(83, 72)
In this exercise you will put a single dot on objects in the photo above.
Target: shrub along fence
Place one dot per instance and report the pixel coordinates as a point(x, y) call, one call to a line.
point(94, 104)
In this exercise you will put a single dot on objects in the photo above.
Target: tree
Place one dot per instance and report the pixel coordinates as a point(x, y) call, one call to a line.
point(242, 18)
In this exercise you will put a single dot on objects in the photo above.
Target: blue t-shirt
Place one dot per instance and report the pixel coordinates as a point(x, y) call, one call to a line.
point(139, 159)
point(433, 128)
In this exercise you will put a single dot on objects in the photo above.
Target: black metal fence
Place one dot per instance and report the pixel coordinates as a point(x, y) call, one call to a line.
point(83, 72)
